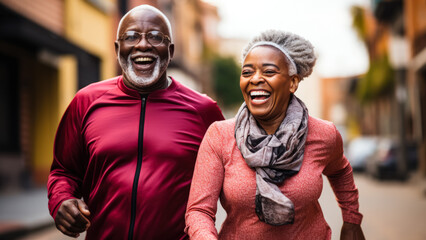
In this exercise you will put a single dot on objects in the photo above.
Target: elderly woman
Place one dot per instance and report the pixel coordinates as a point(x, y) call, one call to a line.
point(266, 164)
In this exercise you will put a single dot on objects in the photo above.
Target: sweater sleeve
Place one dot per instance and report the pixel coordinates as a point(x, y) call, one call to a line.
point(205, 188)
point(339, 174)
point(67, 170)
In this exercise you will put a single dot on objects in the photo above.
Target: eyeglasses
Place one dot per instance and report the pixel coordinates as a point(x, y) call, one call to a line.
point(155, 38)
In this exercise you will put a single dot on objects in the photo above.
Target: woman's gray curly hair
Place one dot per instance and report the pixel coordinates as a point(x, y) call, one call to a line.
point(298, 49)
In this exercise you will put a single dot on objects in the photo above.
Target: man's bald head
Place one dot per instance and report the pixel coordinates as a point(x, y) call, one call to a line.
point(142, 8)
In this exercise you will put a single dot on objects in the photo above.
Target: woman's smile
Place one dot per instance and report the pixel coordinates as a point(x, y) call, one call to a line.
point(259, 96)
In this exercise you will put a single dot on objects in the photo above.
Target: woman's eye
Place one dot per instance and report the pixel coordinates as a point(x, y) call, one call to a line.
point(269, 72)
point(246, 73)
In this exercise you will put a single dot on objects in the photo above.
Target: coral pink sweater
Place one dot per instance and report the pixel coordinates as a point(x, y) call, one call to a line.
point(221, 172)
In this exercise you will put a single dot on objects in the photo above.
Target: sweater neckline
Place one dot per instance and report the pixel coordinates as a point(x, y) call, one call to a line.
point(154, 94)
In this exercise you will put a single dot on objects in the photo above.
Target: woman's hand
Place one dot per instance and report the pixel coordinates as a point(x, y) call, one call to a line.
point(71, 218)
point(351, 231)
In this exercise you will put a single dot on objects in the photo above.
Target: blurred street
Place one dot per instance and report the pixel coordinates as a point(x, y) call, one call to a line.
point(392, 210)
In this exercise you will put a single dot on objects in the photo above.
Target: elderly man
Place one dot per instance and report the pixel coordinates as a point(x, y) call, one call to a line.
point(125, 148)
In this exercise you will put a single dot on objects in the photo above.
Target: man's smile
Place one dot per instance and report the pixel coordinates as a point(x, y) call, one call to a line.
point(144, 63)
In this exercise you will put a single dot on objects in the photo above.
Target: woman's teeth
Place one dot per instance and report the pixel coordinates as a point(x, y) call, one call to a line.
point(259, 96)
point(256, 94)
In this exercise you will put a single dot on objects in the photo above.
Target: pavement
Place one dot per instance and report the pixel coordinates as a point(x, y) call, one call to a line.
point(392, 209)
point(23, 212)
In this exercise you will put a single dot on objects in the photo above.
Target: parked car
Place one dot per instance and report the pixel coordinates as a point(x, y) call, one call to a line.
point(384, 163)
point(359, 150)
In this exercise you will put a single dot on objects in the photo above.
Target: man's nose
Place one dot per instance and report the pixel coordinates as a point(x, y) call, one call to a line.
point(143, 43)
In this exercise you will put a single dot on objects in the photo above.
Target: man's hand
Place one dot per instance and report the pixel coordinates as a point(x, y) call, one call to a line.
point(351, 231)
point(71, 218)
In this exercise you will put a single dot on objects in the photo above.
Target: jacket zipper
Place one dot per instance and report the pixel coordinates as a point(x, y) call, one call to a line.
point(138, 167)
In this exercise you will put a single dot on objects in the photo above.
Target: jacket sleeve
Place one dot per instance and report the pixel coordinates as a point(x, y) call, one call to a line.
point(205, 188)
point(339, 173)
point(211, 113)
point(69, 158)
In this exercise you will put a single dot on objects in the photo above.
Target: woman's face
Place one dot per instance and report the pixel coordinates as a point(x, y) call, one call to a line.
point(266, 85)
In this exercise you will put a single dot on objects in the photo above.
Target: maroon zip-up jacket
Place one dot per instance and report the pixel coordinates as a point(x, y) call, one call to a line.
point(130, 157)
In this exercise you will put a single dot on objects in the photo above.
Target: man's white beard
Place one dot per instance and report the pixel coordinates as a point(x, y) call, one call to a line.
point(159, 68)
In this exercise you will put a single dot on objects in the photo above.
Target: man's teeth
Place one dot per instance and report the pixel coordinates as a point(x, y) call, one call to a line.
point(259, 93)
point(144, 59)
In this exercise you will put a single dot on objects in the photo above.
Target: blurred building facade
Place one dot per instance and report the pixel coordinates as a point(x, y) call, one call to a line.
point(391, 96)
point(335, 102)
point(415, 32)
point(48, 50)
point(51, 48)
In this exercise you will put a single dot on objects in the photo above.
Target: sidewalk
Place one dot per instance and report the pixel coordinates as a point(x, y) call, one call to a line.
point(23, 212)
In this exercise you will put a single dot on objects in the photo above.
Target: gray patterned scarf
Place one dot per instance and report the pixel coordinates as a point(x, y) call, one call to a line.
point(274, 158)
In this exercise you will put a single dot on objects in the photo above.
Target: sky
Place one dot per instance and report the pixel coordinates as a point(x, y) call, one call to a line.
point(325, 23)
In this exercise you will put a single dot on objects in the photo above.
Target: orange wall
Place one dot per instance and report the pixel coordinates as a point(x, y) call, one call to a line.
point(47, 13)
point(415, 18)
point(332, 93)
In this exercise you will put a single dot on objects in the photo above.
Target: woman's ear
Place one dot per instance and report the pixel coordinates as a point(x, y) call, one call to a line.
point(294, 84)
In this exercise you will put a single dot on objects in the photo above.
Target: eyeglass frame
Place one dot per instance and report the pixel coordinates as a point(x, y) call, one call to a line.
point(143, 35)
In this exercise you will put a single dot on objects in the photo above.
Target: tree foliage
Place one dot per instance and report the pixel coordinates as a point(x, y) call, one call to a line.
point(378, 81)
point(226, 77)
point(359, 22)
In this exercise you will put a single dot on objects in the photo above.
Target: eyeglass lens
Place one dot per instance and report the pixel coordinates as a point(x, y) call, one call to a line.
point(154, 38)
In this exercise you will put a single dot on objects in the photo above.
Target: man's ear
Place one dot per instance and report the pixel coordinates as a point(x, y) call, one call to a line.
point(294, 84)
point(171, 50)
point(116, 47)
